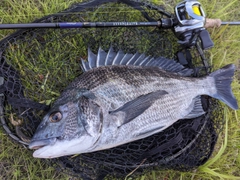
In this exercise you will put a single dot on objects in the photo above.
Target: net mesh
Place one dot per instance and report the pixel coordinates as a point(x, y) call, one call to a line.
point(37, 64)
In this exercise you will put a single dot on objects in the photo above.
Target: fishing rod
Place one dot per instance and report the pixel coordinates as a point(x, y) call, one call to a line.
point(79, 25)
point(191, 9)
point(163, 23)
point(189, 26)
point(189, 18)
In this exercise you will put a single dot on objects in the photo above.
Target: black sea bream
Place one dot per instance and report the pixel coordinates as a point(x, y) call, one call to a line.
point(122, 98)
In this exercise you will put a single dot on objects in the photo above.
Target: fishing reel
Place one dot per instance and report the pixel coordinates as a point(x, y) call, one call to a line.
point(190, 31)
point(191, 19)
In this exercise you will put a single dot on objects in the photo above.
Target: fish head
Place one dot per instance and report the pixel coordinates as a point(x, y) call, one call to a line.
point(69, 128)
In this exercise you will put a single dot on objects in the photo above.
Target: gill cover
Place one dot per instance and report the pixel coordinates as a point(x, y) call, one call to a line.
point(82, 117)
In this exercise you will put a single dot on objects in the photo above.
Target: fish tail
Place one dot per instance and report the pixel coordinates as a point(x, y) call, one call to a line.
point(223, 79)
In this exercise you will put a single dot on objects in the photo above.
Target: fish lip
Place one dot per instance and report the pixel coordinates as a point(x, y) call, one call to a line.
point(37, 144)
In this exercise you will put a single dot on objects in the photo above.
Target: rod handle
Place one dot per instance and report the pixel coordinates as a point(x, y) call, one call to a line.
point(211, 23)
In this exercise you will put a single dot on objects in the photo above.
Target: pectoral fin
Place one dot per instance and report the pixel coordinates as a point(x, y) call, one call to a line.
point(136, 107)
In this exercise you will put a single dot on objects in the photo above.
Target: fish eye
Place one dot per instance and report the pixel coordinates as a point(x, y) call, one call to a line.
point(55, 117)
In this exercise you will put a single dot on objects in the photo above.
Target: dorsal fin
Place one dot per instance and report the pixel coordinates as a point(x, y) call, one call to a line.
point(110, 57)
point(101, 57)
point(91, 59)
point(133, 59)
point(120, 58)
point(117, 59)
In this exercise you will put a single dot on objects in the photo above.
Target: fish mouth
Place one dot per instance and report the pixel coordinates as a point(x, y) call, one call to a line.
point(37, 144)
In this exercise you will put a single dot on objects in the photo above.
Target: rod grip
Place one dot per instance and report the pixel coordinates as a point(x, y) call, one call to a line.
point(211, 23)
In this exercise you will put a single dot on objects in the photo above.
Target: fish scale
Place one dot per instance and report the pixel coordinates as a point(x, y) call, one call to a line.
point(138, 87)
point(155, 116)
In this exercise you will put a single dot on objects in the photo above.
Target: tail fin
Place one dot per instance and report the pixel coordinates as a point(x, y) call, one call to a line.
point(223, 79)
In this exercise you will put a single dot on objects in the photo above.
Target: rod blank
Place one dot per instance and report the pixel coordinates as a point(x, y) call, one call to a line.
point(64, 25)
point(231, 23)
point(78, 25)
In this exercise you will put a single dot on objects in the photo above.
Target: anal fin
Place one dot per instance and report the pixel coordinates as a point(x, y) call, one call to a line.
point(197, 109)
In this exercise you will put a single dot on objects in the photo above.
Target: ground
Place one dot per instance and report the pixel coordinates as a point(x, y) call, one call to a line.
point(16, 162)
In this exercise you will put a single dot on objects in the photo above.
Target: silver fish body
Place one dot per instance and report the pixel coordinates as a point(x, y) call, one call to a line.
point(115, 104)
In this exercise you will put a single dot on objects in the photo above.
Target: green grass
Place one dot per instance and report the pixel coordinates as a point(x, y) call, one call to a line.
point(16, 162)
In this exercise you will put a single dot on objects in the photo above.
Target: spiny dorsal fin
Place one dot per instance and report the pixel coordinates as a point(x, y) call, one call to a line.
point(91, 59)
point(110, 57)
point(120, 58)
point(101, 57)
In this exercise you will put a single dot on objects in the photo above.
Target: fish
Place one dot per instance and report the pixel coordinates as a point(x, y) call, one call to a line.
point(122, 97)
